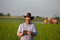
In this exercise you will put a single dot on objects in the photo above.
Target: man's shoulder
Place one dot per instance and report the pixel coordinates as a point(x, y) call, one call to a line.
point(22, 23)
point(25, 23)
point(33, 24)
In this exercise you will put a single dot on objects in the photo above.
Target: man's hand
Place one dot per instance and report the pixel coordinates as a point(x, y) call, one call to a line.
point(19, 34)
point(29, 32)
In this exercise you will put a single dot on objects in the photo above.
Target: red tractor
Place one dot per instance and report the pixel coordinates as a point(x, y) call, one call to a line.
point(53, 21)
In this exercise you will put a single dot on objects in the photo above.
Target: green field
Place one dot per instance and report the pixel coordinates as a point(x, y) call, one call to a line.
point(9, 26)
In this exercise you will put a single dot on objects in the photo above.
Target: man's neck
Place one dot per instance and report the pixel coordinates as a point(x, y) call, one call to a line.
point(28, 23)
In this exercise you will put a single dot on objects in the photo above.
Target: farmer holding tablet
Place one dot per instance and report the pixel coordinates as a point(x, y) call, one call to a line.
point(27, 30)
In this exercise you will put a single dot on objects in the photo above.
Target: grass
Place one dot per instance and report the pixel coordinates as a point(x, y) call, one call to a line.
point(8, 30)
point(48, 32)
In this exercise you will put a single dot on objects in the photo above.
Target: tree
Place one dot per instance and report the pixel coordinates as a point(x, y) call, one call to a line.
point(1, 14)
point(57, 17)
point(8, 14)
point(37, 17)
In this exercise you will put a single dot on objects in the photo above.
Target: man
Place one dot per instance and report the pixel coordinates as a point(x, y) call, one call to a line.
point(27, 30)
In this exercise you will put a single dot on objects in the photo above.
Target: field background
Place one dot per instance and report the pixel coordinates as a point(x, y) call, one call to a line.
point(9, 26)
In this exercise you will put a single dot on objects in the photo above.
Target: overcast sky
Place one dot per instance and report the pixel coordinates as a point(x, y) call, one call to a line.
point(44, 8)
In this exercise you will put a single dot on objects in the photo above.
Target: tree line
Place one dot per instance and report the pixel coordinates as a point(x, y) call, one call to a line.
point(1, 14)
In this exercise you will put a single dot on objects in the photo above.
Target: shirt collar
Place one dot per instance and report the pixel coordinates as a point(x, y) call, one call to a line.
point(28, 24)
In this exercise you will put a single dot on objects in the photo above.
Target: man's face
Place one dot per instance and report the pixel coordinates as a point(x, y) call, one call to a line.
point(27, 19)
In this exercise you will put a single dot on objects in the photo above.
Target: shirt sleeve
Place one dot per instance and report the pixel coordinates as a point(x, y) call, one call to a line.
point(34, 30)
point(19, 28)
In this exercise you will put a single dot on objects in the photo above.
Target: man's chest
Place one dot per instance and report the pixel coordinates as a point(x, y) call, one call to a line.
point(27, 27)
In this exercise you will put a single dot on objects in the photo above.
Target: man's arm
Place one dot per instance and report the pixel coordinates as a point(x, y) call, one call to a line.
point(19, 32)
point(34, 33)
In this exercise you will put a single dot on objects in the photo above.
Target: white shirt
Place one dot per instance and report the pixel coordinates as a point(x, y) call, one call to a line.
point(31, 27)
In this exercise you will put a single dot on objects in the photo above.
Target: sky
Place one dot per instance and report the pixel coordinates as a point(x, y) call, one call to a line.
point(44, 8)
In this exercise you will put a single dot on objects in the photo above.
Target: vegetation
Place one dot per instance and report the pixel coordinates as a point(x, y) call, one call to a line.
point(9, 26)
point(1, 14)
